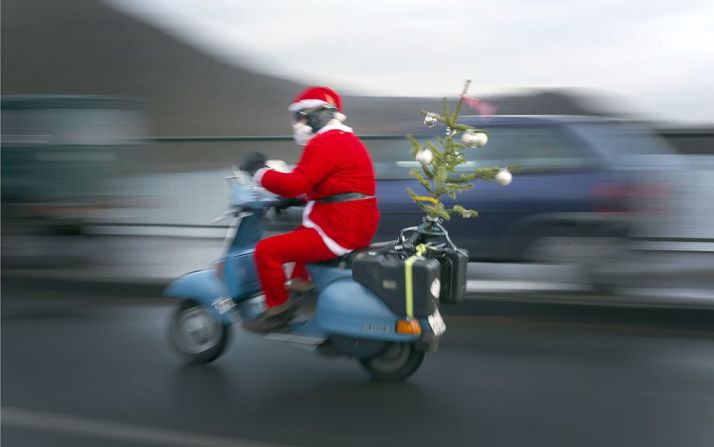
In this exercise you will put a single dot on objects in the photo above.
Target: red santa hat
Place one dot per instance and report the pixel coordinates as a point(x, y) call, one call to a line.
point(316, 97)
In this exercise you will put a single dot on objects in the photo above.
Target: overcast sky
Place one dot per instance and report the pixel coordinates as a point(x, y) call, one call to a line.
point(656, 55)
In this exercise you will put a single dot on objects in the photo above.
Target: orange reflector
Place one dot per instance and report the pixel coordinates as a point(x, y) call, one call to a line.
point(410, 327)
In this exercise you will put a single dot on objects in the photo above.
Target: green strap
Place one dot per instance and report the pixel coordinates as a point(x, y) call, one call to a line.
point(408, 283)
point(408, 279)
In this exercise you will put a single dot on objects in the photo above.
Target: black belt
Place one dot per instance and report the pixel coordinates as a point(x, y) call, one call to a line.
point(344, 197)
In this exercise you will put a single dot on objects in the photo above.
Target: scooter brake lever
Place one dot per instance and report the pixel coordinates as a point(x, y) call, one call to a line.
point(234, 212)
point(225, 214)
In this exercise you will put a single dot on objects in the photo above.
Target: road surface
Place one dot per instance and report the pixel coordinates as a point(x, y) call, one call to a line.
point(80, 371)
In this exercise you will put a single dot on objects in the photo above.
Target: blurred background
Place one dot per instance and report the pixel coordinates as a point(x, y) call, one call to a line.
point(121, 119)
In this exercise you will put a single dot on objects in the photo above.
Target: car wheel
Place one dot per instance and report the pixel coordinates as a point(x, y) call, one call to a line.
point(553, 246)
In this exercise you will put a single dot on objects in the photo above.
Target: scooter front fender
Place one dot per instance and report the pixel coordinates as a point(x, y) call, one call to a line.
point(205, 288)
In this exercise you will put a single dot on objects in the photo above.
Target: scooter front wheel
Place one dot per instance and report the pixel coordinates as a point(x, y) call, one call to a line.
point(195, 333)
point(396, 362)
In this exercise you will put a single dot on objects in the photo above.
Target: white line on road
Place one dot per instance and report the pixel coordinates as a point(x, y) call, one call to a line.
point(36, 420)
point(476, 285)
point(706, 296)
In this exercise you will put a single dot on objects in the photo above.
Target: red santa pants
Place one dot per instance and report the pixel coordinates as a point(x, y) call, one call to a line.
point(300, 246)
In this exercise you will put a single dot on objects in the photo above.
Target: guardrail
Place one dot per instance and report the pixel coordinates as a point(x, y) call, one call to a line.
point(257, 138)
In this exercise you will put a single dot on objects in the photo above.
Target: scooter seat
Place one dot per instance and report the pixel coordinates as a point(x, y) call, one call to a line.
point(345, 261)
point(340, 262)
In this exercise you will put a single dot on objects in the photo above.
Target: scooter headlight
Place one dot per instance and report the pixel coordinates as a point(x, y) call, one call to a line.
point(435, 288)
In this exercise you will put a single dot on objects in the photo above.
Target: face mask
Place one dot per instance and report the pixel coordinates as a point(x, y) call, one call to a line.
point(302, 133)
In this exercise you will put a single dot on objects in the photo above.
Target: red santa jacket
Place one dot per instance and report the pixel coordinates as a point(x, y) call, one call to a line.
point(335, 161)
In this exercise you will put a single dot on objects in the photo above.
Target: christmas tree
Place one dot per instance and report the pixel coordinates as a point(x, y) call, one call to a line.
point(438, 165)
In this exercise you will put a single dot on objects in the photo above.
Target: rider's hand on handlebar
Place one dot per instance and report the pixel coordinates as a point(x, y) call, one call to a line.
point(251, 162)
point(285, 202)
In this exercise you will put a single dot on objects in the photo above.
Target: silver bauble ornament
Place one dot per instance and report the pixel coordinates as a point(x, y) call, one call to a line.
point(430, 119)
point(472, 138)
point(424, 156)
point(504, 177)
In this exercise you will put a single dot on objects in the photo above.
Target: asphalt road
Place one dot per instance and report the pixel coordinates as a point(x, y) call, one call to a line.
point(79, 373)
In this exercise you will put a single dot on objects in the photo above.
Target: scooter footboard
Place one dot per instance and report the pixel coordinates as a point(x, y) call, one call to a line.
point(204, 288)
point(348, 308)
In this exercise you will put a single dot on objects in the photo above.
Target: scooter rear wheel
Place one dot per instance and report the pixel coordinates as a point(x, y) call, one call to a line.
point(197, 334)
point(397, 362)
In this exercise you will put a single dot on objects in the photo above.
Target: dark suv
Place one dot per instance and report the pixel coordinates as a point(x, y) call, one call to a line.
point(581, 182)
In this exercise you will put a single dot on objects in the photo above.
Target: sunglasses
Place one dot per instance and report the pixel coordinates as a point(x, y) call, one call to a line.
point(302, 114)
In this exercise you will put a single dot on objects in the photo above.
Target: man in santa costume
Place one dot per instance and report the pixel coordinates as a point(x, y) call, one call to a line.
point(335, 177)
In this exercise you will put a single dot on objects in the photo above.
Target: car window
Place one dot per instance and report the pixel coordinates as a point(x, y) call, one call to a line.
point(71, 126)
point(392, 158)
point(532, 148)
point(626, 144)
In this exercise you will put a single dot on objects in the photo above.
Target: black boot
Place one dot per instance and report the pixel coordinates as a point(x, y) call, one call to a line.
point(273, 318)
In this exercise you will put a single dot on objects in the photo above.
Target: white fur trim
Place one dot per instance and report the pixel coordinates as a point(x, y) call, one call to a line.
point(258, 176)
point(335, 124)
point(333, 246)
point(340, 117)
point(308, 104)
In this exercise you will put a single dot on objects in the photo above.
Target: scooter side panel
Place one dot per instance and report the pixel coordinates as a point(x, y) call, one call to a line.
point(350, 309)
point(240, 274)
point(203, 287)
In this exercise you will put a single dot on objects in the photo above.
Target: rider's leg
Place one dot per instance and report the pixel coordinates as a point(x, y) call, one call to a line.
point(300, 246)
point(299, 281)
point(300, 272)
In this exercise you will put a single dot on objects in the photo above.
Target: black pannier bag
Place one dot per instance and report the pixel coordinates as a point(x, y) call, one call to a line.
point(385, 272)
point(453, 260)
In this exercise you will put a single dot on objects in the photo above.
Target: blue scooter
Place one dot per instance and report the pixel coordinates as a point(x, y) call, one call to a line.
point(348, 318)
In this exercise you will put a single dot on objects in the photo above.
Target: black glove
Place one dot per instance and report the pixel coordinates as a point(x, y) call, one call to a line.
point(251, 162)
point(286, 202)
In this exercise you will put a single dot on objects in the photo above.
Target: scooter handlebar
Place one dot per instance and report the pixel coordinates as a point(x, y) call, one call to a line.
point(245, 193)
